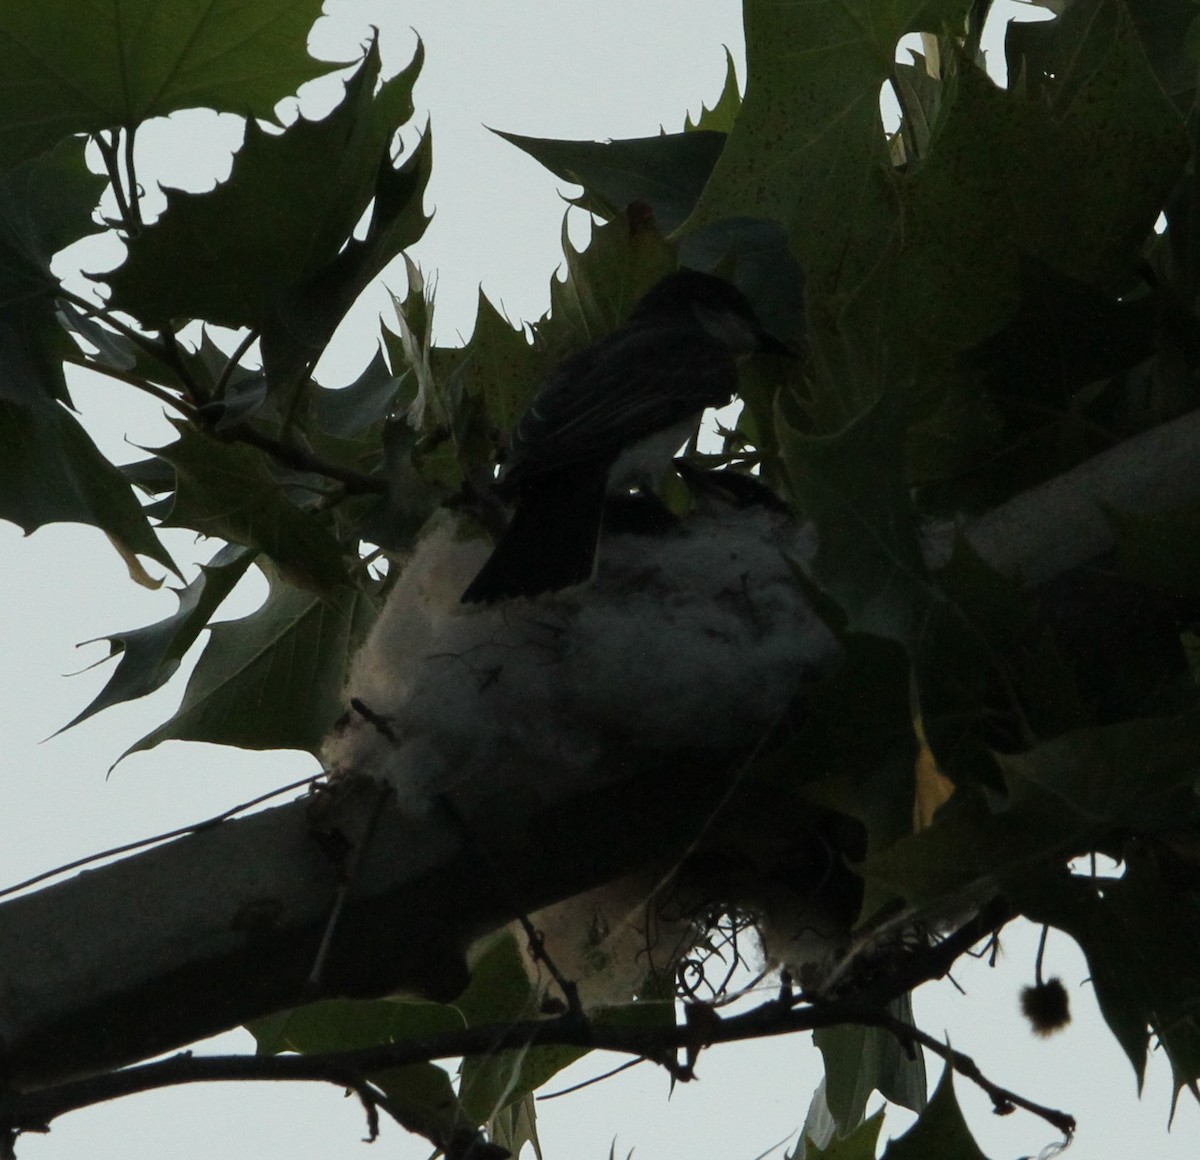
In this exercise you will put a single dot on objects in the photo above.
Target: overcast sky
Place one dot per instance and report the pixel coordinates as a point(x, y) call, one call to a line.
point(543, 69)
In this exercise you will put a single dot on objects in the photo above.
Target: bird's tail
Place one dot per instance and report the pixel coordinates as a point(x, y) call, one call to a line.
point(551, 542)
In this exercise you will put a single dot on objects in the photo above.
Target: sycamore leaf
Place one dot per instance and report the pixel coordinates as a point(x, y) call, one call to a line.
point(809, 153)
point(851, 484)
point(45, 205)
point(227, 491)
point(303, 319)
point(273, 679)
point(860, 1144)
point(500, 992)
point(1138, 933)
point(1064, 796)
point(859, 1060)
point(119, 62)
point(666, 172)
point(940, 1132)
point(421, 1092)
point(721, 116)
point(350, 412)
point(52, 472)
point(502, 367)
point(1110, 142)
point(151, 655)
point(623, 259)
point(291, 202)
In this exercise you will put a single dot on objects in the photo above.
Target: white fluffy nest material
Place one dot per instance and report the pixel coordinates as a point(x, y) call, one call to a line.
point(691, 641)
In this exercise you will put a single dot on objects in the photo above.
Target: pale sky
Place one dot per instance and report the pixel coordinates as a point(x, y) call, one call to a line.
point(541, 69)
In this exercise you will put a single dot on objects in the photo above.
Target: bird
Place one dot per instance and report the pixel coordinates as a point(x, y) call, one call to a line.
point(608, 420)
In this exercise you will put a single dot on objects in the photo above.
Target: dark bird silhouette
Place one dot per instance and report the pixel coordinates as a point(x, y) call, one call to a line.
point(608, 420)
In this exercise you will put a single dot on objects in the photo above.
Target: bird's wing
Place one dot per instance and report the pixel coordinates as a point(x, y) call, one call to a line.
point(629, 385)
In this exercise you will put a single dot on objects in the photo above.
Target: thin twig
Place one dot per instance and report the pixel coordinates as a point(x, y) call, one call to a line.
point(595, 1079)
point(1003, 1100)
point(349, 874)
point(141, 843)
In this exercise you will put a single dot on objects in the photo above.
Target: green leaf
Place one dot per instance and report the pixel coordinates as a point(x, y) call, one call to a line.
point(1065, 796)
point(860, 1144)
point(52, 472)
point(1110, 142)
point(1122, 775)
point(150, 656)
point(420, 1093)
point(349, 1024)
point(231, 255)
point(123, 61)
point(227, 491)
point(352, 411)
point(852, 485)
point(813, 155)
point(303, 318)
point(274, 679)
point(622, 260)
point(1138, 933)
point(666, 172)
point(720, 118)
point(860, 1060)
point(45, 205)
point(940, 1133)
point(1161, 549)
point(1163, 28)
point(958, 265)
point(502, 367)
point(500, 992)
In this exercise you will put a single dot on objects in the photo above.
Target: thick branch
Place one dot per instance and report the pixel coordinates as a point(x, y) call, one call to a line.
point(1062, 524)
point(224, 926)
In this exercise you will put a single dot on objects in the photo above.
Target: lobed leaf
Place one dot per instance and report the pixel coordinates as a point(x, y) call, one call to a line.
point(940, 1132)
point(227, 491)
point(116, 63)
point(291, 202)
point(274, 679)
point(150, 656)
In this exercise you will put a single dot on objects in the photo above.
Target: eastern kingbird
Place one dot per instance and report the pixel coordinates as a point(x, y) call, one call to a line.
point(609, 419)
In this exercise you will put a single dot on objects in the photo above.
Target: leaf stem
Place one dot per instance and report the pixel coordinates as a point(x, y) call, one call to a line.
point(108, 153)
point(233, 361)
point(355, 482)
point(160, 393)
point(134, 196)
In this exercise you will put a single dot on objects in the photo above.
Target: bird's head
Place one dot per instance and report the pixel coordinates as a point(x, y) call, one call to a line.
point(718, 306)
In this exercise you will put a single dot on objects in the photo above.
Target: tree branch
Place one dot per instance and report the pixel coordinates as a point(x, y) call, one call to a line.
point(1063, 523)
point(33, 1111)
point(1003, 1100)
